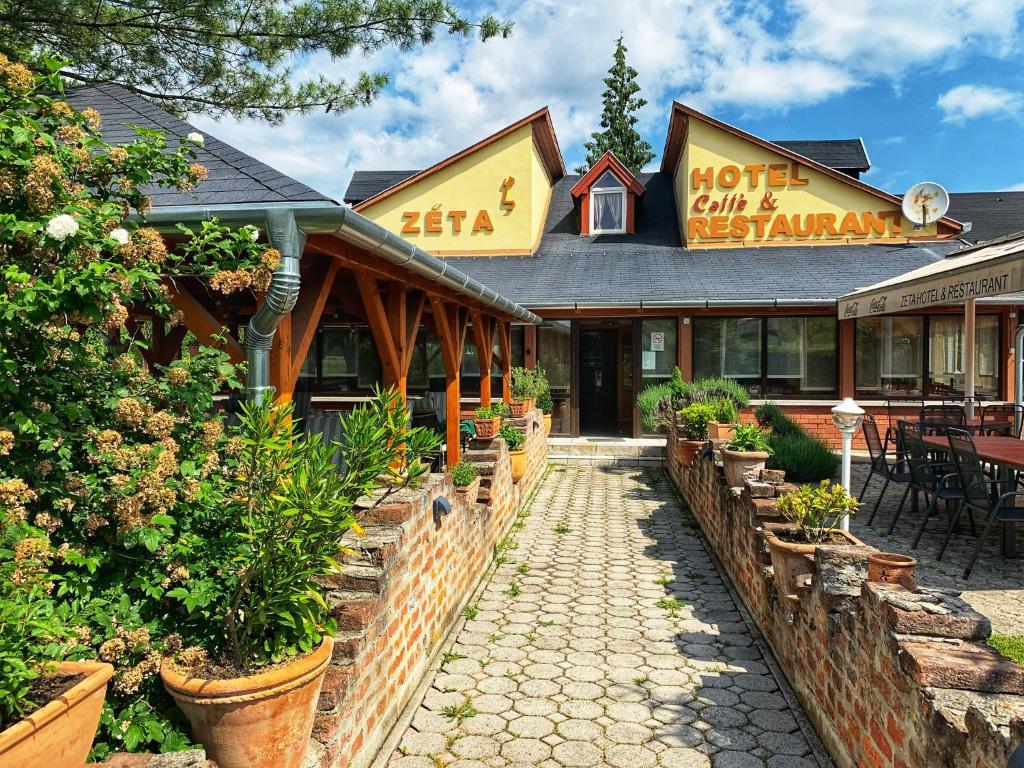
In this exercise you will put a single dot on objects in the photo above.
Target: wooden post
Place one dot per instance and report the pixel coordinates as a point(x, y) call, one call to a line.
point(373, 303)
point(483, 339)
point(316, 288)
point(505, 360)
point(450, 323)
point(203, 324)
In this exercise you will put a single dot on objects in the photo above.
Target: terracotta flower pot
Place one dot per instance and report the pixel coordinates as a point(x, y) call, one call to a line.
point(518, 464)
point(59, 734)
point(469, 493)
point(687, 450)
point(487, 428)
point(531, 403)
point(518, 408)
point(547, 424)
point(718, 430)
point(793, 561)
point(892, 568)
point(260, 721)
point(739, 463)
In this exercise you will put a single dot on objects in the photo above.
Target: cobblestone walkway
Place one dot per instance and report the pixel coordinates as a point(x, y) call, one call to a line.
point(605, 638)
point(994, 587)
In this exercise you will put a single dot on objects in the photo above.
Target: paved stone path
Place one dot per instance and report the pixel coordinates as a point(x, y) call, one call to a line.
point(606, 638)
point(996, 585)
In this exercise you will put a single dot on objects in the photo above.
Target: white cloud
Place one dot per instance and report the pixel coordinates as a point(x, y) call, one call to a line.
point(713, 54)
point(967, 102)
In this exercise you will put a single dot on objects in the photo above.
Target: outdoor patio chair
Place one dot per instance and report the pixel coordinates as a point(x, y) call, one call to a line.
point(893, 471)
point(981, 492)
point(937, 419)
point(1004, 419)
point(892, 434)
point(937, 480)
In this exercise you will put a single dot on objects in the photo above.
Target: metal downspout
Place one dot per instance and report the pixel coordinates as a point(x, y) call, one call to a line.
point(285, 235)
point(1018, 379)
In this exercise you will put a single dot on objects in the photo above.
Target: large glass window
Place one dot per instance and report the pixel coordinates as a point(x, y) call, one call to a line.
point(657, 350)
point(801, 355)
point(554, 343)
point(770, 356)
point(923, 356)
point(729, 347)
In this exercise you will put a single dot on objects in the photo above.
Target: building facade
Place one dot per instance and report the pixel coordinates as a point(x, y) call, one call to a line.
point(727, 261)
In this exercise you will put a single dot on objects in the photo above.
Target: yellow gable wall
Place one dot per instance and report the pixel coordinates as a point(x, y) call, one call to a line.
point(467, 196)
point(813, 206)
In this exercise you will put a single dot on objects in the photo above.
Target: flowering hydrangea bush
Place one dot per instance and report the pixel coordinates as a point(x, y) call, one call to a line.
point(106, 461)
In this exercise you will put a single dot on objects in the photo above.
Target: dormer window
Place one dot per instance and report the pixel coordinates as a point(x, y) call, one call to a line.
point(608, 206)
point(607, 198)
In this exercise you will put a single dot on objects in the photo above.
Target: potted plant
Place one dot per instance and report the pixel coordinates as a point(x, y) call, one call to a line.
point(466, 480)
point(257, 572)
point(515, 441)
point(487, 420)
point(49, 711)
point(745, 454)
point(544, 399)
point(892, 568)
point(524, 390)
point(693, 422)
point(723, 426)
point(813, 513)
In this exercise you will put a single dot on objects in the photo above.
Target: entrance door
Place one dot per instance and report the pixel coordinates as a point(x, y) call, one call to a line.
point(598, 381)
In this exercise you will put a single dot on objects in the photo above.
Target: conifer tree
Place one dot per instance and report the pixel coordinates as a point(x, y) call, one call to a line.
point(618, 118)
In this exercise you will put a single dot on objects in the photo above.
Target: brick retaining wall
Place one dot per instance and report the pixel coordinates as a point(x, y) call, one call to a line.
point(888, 677)
point(396, 602)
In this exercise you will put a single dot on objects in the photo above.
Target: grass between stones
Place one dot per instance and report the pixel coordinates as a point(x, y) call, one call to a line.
point(1011, 646)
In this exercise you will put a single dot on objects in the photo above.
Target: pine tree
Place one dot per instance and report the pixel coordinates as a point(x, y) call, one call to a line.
point(618, 118)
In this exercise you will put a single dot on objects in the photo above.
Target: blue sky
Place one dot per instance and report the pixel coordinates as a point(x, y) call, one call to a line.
point(935, 90)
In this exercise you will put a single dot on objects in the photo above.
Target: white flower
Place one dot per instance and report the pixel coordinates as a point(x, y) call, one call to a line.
point(62, 227)
point(196, 138)
point(120, 235)
point(254, 234)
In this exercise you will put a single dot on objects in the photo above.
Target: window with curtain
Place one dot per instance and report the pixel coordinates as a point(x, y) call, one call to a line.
point(729, 347)
point(801, 355)
point(922, 356)
point(607, 205)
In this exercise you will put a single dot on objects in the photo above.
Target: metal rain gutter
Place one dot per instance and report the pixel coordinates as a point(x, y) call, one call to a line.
point(346, 224)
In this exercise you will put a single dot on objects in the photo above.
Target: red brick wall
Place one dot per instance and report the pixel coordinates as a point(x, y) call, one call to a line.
point(396, 602)
point(817, 420)
point(885, 683)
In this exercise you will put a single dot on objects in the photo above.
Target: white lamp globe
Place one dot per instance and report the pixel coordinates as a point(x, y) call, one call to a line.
point(847, 416)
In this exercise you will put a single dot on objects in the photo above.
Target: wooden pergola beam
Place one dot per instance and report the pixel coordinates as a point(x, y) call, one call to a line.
point(505, 360)
point(450, 322)
point(380, 327)
point(483, 339)
point(202, 323)
point(316, 288)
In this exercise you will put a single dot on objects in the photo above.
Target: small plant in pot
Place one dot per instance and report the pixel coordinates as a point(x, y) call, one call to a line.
point(466, 480)
point(515, 441)
point(257, 566)
point(544, 400)
point(487, 420)
point(49, 709)
point(693, 420)
point(524, 391)
point(813, 513)
point(722, 426)
point(745, 454)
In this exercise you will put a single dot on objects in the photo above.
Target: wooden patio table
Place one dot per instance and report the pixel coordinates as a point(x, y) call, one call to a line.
point(1007, 453)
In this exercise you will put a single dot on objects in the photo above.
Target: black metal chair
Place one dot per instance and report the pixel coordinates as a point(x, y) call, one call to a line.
point(937, 480)
point(892, 434)
point(893, 471)
point(938, 419)
point(1003, 420)
point(980, 492)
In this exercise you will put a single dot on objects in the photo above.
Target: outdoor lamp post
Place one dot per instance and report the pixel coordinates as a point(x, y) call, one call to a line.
point(847, 417)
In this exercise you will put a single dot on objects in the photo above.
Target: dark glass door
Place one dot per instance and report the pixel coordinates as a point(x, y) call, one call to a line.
point(598, 382)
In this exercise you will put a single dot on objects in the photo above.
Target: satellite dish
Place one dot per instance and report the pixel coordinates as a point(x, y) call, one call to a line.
point(925, 203)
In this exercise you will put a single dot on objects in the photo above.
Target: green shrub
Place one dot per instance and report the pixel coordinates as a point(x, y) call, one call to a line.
point(817, 509)
point(771, 416)
point(725, 411)
point(710, 390)
point(463, 474)
point(695, 418)
point(545, 402)
point(488, 411)
point(748, 438)
point(805, 459)
point(680, 389)
point(544, 399)
point(501, 409)
point(514, 439)
point(655, 405)
point(525, 383)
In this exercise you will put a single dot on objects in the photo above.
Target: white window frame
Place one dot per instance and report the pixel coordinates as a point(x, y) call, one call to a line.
point(594, 229)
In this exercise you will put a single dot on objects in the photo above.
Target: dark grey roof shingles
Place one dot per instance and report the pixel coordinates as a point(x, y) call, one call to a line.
point(841, 154)
point(234, 177)
point(365, 184)
point(992, 214)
